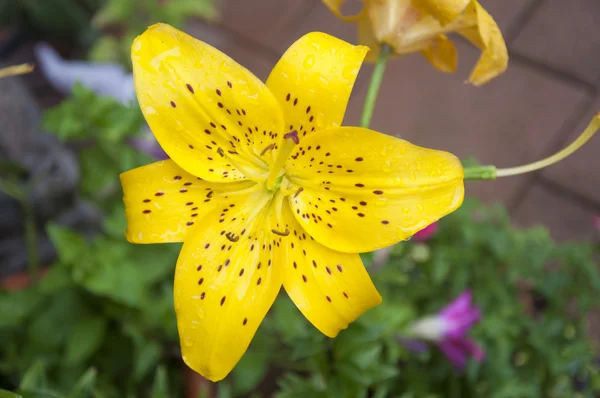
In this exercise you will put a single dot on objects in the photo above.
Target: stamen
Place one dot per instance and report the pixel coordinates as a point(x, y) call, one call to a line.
point(221, 152)
point(267, 148)
point(298, 192)
point(231, 237)
point(293, 135)
point(287, 146)
point(285, 233)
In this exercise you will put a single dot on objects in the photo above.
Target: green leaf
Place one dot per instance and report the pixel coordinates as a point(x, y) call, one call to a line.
point(8, 394)
point(64, 309)
point(16, 306)
point(69, 245)
point(160, 388)
point(115, 11)
point(85, 385)
point(253, 366)
point(147, 356)
point(85, 339)
point(225, 390)
point(34, 378)
point(57, 278)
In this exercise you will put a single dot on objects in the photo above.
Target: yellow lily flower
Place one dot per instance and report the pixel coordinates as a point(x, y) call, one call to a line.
point(409, 26)
point(266, 189)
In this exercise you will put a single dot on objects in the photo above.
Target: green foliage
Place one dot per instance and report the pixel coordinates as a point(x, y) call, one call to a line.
point(105, 304)
point(133, 17)
point(105, 29)
point(535, 337)
point(58, 18)
point(101, 126)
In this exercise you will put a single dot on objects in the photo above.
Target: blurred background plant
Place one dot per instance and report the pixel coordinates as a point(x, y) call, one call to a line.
point(122, 20)
point(102, 29)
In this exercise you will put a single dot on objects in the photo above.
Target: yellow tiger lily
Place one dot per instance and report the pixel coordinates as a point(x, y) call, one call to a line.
point(265, 188)
point(409, 26)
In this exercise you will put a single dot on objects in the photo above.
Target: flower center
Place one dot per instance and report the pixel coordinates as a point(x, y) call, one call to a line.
point(290, 140)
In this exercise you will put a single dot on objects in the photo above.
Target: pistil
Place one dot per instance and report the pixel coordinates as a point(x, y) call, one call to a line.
point(290, 140)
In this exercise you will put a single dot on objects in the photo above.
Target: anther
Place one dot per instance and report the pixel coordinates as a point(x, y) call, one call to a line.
point(293, 135)
point(232, 237)
point(267, 149)
point(285, 233)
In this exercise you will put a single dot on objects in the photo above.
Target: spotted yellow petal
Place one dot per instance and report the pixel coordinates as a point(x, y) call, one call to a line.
point(164, 203)
point(444, 11)
point(226, 279)
point(336, 8)
point(313, 81)
point(442, 54)
point(211, 116)
point(486, 36)
point(362, 190)
point(330, 288)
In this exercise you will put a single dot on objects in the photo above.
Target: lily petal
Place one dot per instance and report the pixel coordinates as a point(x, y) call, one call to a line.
point(486, 36)
point(331, 289)
point(445, 11)
point(442, 54)
point(225, 283)
point(313, 81)
point(362, 190)
point(212, 116)
point(163, 202)
point(335, 7)
point(366, 37)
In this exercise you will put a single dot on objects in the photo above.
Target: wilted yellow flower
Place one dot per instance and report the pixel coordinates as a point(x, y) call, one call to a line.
point(422, 25)
point(265, 188)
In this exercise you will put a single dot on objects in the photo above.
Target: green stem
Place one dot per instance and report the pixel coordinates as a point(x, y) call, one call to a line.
point(31, 239)
point(374, 85)
point(480, 173)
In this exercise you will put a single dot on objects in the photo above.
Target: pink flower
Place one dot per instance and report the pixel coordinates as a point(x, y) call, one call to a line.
point(426, 233)
point(449, 329)
point(596, 222)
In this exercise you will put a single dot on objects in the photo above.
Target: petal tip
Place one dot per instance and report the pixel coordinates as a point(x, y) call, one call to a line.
point(204, 371)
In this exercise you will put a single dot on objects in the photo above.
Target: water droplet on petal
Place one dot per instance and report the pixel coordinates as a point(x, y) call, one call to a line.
point(387, 167)
point(309, 61)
